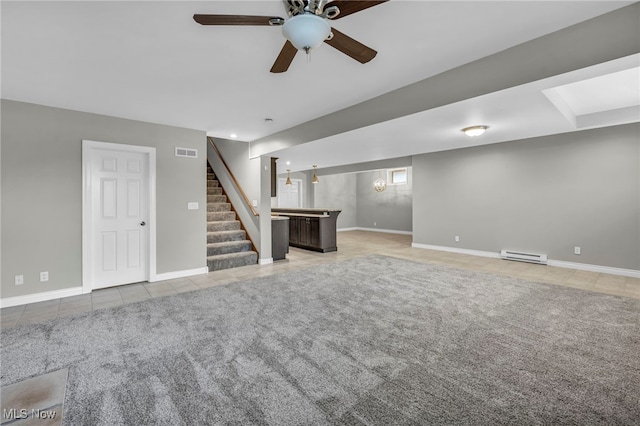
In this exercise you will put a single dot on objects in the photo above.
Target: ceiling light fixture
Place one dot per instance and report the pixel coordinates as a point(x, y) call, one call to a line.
point(288, 182)
point(314, 179)
point(379, 184)
point(475, 130)
point(233, 135)
point(306, 31)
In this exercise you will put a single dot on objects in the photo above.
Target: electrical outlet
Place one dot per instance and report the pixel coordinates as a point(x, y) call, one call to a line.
point(255, 203)
point(19, 279)
point(44, 276)
point(375, 224)
point(457, 238)
point(577, 250)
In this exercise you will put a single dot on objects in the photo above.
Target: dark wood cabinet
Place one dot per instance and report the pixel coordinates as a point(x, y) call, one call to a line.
point(315, 233)
point(279, 237)
point(274, 177)
point(294, 232)
point(311, 229)
point(304, 237)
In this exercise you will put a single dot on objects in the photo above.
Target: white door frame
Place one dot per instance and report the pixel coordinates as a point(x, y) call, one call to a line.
point(87, 216)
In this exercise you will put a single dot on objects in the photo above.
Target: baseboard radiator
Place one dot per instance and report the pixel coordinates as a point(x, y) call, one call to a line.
point(540, 259)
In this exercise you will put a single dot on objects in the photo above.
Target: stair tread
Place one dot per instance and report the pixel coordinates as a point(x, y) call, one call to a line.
point(223, 225)
point(229, 243)
point(232, 255)
point(218, 207)
point(230, 213)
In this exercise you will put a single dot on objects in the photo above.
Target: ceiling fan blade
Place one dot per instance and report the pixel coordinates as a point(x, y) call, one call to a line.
point(285, 58)
point(351, 47)
point(348, 7)
point(233, 19)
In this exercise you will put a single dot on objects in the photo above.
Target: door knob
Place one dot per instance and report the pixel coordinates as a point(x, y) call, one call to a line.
point(143, 223)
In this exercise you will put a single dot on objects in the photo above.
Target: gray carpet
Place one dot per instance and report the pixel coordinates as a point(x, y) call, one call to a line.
point(373, 340)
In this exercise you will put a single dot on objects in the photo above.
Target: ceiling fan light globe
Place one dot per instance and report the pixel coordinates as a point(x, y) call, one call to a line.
point(306, 31)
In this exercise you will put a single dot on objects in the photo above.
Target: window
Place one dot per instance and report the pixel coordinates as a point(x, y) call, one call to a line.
point(398, 177)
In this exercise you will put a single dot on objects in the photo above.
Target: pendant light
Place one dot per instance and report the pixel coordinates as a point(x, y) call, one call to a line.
point(379, 184)
point(314, 179)
point(288, 182)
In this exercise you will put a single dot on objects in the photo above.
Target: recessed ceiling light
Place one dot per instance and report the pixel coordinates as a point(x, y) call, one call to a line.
point(288, 162)
point(233, 135)
point(475, 130)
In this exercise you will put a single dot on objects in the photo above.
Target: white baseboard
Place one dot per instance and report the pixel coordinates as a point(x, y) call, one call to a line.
point(39, 297)
point(75, 291)
point(179, 274)
point(457, 250)
point(386, 231)
point(557, 263)
point(266, 261)
point(595, 268)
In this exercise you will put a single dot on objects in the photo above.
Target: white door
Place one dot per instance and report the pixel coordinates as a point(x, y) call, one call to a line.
point(290, 196)
point(119, 215)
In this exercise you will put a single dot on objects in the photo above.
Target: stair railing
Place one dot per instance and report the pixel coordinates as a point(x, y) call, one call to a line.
point(246, 212)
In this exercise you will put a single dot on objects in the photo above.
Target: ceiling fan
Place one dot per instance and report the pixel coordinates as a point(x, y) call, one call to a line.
point(306, 28)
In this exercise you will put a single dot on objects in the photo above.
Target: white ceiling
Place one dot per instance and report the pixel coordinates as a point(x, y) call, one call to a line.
point(150, 61)
point(516, 113)
point(603, 93)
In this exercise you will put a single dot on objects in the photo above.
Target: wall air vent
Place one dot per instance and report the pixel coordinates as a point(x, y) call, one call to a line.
point(186, 152)
point(524, 257)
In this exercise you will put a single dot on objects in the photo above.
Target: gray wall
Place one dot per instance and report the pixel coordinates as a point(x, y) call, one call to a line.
point(308, 199)
point(338, 192)
point(362, 206)
point(389, 163)
point(544, 194)
point(246, 170)
point(390, 209)
point(42, 193)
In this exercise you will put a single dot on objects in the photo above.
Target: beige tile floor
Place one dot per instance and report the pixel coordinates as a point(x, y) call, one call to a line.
point(350, 244)
point(37, 400)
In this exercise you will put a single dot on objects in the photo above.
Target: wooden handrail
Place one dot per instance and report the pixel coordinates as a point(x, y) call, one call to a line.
point(224, 163)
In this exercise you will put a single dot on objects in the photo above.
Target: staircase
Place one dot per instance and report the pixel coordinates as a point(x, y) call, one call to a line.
point(227, 243)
